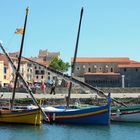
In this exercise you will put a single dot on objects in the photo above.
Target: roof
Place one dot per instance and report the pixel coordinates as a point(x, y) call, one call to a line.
point(16, 58)
point(45, 63)
point(86, 59)
point(133, 65)
point(133, 61)
point(104, 74)
point(38, 61)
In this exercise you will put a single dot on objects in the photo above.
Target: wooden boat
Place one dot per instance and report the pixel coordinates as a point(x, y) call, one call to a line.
point(126, 114)
point(32, 116)
point(91, 115)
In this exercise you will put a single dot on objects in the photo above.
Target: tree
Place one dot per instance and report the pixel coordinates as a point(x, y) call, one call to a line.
point(59, 64)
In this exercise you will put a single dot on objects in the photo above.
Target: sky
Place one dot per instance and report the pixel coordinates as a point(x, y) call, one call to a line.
point(110, 28)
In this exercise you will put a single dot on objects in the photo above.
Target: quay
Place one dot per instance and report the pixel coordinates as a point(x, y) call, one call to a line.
point(8, 95)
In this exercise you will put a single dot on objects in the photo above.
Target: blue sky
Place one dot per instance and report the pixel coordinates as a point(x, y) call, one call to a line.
point(110, 28)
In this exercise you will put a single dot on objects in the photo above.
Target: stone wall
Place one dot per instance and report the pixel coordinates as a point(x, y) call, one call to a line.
point(76, 90)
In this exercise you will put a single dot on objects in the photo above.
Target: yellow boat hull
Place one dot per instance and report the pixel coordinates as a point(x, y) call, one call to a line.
point(33, 116)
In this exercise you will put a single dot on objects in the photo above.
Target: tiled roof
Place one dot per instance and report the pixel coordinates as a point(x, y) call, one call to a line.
point(39, 61)
point(86, 59)
point(132, 61)
point(133, 65)
point(45, 63)
point(22, 59)
point(104, 74)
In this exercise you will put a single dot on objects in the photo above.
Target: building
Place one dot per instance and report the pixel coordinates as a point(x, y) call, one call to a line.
point(44, 58)
point(108, 72)
point(4, 71)
point(1, 73)
point(39, 73)
point(29, 68)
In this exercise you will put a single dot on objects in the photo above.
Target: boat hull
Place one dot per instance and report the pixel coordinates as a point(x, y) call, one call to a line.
point(127, 117)
point(21, 116)
point(126, 114)
point(92, 115)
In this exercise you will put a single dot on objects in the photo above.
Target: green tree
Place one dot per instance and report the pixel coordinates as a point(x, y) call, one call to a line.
point(59, 64)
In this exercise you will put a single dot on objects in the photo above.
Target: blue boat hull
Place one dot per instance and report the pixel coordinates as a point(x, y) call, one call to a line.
point(92, 115)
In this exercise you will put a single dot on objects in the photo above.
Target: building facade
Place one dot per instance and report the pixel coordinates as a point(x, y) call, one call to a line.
point(4, 71)
point(108, 72)
point(29, 68)
point(44, 58)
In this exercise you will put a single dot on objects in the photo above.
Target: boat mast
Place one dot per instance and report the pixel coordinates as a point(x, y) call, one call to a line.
point(74, 59)
point(19, 59)
point(24, 82)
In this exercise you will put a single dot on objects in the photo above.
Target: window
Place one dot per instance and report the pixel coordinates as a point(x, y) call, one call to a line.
point(124, 69)
point(111, 70)
point(29, 65)
point(4, 76)
point(37, 72)
point(48, 73)
point(78, 68)
point(41, 77)
point(35, 67)
point(136, 69)
point(36, 77)
point(5, 70)
point(89, 69)
point(100, 69)
point(49, 78)
point(42, 72)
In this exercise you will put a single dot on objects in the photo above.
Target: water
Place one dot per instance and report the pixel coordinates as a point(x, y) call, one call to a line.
point(116, 131)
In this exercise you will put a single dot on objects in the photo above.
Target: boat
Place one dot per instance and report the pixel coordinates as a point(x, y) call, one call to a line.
point(21, 116)
point(92, 115)
point(126, 114)
point(32, 116)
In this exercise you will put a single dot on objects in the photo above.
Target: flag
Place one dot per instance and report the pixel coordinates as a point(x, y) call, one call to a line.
point(19, 31)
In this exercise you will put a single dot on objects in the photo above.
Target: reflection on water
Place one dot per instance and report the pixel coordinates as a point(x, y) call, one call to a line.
point(70, 132)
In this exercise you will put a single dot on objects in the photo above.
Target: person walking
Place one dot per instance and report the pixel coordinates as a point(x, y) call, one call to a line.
point(52, 88)
point(43, 87)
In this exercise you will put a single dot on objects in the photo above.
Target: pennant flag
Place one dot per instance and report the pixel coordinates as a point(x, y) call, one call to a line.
point(19, 31)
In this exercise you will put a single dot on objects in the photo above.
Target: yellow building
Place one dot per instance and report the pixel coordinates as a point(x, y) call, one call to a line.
point(1, 72)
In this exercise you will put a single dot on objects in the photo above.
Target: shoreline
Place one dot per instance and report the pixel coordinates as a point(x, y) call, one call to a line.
point(59, 99)
point(8, 95)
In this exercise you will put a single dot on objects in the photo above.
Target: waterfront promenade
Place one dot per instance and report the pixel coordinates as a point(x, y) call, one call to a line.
point(8, 95)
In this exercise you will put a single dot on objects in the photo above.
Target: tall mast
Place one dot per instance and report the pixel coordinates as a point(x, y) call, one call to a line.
point(19, 58)
point(24, 82)
point(74, 59)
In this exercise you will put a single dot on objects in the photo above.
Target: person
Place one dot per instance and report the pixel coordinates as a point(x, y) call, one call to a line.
point(43, 87)
point(53, 88)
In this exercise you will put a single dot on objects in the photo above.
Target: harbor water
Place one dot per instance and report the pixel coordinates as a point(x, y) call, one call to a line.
point(116, 131)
